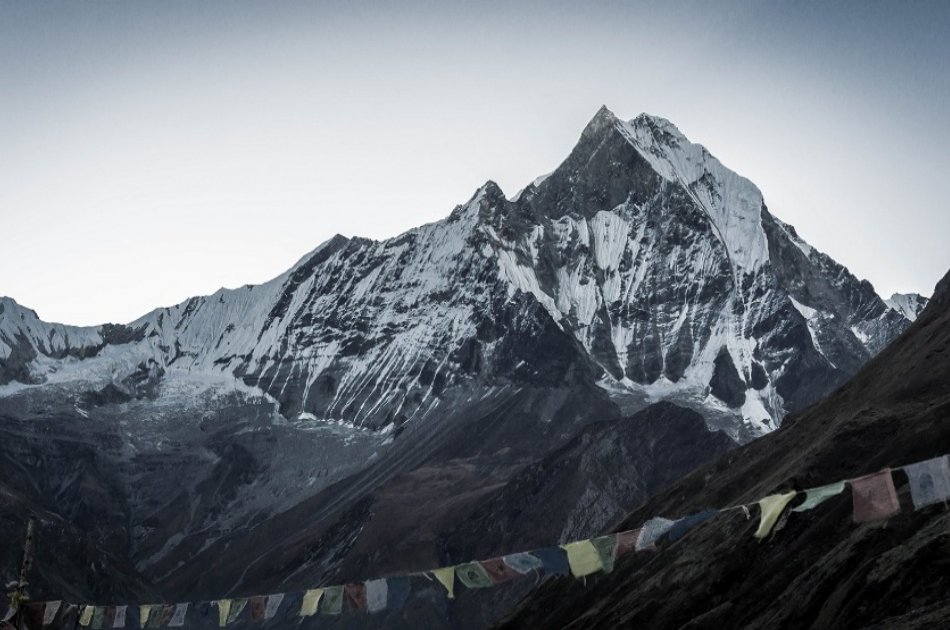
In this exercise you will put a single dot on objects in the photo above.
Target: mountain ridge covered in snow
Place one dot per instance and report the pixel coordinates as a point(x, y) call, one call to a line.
point(907, 304)
point(664, 266)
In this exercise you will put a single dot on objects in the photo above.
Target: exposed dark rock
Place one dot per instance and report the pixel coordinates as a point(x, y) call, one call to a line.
point(590, 482)
point(16, 365)
point(821, 569)
point(726, 384)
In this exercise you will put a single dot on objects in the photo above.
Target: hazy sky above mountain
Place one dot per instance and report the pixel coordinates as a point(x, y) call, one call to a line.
point(151, 151)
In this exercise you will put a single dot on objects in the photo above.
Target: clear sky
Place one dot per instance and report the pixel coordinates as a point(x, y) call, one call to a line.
point(151, 151)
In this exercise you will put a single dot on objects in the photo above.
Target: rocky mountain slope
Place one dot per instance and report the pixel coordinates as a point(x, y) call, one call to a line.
point(270, 435)
point(821, 569)
point(664, 266)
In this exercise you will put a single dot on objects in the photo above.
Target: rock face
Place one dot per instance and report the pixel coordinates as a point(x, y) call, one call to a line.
point(574, 491)
point(821, 569)
point(252, 439)
point(664, 267)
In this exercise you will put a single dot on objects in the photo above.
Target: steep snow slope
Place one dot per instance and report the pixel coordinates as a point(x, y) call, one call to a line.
point(907, 304)
point(821, 570)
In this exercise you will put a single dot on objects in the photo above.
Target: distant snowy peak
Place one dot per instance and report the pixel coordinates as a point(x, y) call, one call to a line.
point(907, 304)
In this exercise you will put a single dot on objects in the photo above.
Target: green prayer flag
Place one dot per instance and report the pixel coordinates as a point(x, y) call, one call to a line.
point(473, 575)
point(98, 617)
point(237, 606)
point(817, 496)
point(607, 550)
point(332, 601)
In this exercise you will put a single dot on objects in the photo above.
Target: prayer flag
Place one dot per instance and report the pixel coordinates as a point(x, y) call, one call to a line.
point(583, 558)
point(178, 616)
point(607, 550)
point(627, 541)
point(554, 560)
point(929, 481)
point(273, 603)
point(85, 617)
point(311, 600)
point(770, 508)
point(257, 607)
point(473, 575)
point(816, 496)
point(377, 591)
point(98, 617)
point(144, 611)
point(874, 497)
point(498, 570)
point(356, 595)
point(224, 607)
point(683, 525)
point(33, 616)
point(168, 610)
point(446, 575)
point(332, 600)
point(236, 608)
point(652, 531)
point(397, 592)
point(523, 562)
point(50, 610)
point(118, 620)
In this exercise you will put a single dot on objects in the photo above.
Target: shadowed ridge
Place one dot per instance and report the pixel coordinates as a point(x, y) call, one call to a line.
point(821, 570)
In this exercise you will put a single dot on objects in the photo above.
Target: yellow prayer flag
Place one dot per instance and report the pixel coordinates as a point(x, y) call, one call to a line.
point(311, 600)
point(85, 618)
point(771, 508)
point(446, 575)
point(224, 608)
point(144, 611)
point(583, 558)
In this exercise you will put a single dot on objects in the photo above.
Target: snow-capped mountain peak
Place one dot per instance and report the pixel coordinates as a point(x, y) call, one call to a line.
point(733, 203)
point(640, 263)
point(907, 304)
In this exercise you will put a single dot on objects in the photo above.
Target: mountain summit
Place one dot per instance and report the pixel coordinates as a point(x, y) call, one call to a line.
point(657, 272)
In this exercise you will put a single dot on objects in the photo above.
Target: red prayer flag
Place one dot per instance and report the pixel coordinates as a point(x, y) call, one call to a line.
point(258, 603)
point(498, 570)
point(167, 612)
point(874, 497)
point(627, 542)
point(33, 616)
point(356, 595)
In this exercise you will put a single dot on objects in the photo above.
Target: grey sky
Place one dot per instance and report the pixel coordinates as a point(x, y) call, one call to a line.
point(151, 151)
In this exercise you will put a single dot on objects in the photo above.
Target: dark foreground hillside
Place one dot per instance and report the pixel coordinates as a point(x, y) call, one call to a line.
point(821, 570)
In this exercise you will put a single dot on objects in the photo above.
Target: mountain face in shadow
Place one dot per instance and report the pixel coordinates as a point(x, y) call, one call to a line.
point(821, 569)
point(523, 371)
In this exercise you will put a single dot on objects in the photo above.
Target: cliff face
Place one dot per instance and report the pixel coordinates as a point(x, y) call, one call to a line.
point(363, 411)
point(821, 569)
